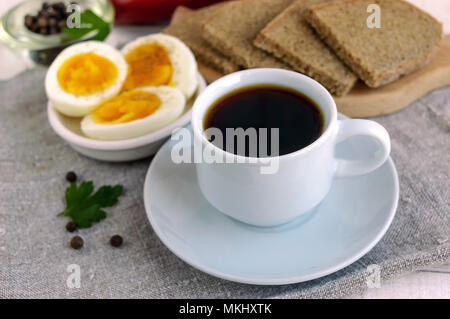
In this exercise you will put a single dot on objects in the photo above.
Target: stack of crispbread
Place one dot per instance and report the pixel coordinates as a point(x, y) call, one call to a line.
point(290, 38)
point(189, 31)
point(331, 41)
point(402, 44)
point(233, 30)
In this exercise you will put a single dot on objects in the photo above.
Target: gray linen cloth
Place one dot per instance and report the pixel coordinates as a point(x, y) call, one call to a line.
point(34, 245)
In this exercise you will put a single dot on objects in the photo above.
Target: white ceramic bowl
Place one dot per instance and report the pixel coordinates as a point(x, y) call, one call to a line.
point(68, 128)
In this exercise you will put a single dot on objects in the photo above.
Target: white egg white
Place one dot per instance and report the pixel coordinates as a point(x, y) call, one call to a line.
point(172, 106)
point(184, 65)
point(80, 105)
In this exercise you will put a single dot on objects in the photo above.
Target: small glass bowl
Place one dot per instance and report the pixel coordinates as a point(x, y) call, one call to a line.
point(43, 49)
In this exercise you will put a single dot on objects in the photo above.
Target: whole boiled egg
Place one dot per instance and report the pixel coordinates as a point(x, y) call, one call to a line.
point(83, 76)
point(134, 113)
point(160, 59)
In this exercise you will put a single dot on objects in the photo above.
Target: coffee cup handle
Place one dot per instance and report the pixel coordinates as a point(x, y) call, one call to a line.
point(349, 128)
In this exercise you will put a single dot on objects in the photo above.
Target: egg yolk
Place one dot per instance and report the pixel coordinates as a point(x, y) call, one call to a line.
point(148, 65)
point(86, 73)
point(127, 107)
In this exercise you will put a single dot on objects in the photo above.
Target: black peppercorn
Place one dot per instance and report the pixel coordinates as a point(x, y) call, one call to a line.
point(62, 24)
point(71, 177)
point(42, 22)
point(29, 20)
point(50, 19)
point(52, 13)
point(52, 22)
point(76, 242)
point(59, 6)
point(71, 227)
point(116, 241)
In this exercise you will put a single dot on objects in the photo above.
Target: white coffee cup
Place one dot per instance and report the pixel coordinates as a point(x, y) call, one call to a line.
point(303, 178)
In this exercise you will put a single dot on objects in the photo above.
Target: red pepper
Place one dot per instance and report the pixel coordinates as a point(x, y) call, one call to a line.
point(151, 11)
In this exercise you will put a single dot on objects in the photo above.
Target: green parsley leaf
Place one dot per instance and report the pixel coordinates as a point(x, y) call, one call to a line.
point(84, 208)
point(89, 22)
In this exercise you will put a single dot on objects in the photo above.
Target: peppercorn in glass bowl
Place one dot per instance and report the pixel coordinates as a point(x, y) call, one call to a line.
point(40, 29)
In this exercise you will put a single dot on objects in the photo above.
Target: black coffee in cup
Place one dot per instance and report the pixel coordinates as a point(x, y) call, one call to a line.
point(297, 117)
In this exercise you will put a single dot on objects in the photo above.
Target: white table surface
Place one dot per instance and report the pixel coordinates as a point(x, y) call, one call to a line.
point(433, 282)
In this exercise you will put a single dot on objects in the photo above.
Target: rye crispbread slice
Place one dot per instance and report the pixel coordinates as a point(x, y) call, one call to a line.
point(189, 31)
point(234, 27)
point(378, 56)
point(291, 39)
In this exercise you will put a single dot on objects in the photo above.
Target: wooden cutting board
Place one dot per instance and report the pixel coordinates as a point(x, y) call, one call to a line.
point(363, 101)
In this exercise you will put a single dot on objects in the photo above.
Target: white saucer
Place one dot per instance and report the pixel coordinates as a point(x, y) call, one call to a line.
point(346, 225)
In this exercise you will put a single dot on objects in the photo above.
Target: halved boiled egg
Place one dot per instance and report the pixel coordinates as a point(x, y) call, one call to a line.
point(83, 76)
point(160, 59)
point(134, 113)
